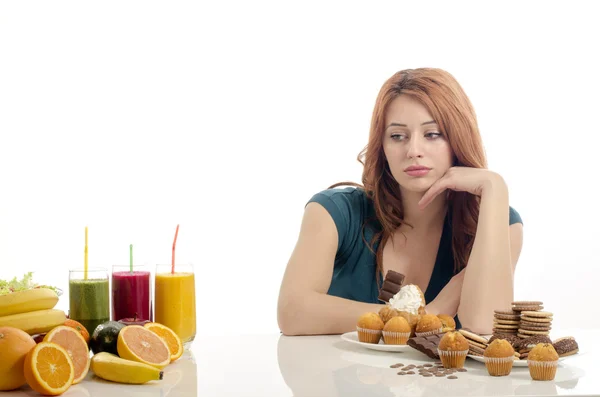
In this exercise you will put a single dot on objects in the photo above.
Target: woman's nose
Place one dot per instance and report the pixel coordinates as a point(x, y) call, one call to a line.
point(415, 147)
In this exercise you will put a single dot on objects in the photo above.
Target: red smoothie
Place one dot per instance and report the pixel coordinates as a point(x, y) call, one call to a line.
point(131, 295)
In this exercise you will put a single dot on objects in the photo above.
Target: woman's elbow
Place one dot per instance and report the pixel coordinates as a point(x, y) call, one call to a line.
point(288, 311)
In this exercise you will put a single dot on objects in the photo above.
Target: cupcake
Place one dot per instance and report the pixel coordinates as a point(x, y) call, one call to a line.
point(369, 328)
point(542, 362)
point(499, 357)
point(413, 320)
point(448, 323)
point(410, 299)
point(387, 312)
point(429, 324)
point(453, 349)
point(396, 331)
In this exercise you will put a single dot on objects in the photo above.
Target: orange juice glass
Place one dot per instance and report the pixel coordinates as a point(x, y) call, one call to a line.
point(175, 300)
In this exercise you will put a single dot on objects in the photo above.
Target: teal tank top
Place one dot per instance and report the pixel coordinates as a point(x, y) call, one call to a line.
point(354, 269)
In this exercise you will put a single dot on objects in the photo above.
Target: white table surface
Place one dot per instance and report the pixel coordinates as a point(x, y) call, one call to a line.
point(276, 365)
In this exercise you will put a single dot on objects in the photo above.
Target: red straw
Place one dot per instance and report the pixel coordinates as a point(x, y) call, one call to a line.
point(173, 257)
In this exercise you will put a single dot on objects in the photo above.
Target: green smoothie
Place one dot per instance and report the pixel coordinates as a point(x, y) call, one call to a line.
point(89, 302)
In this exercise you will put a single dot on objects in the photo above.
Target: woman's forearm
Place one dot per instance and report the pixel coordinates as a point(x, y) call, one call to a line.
point(488, 280)
point(317, 314)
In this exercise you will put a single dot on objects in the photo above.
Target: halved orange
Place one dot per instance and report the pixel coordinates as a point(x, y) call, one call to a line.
point(72, 341)
point(49, 369)
point(169, 336)
point(137, 343)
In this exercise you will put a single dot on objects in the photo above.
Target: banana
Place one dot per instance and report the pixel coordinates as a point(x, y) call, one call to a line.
point(37, 322)
point(27, 301)
point(116, 369)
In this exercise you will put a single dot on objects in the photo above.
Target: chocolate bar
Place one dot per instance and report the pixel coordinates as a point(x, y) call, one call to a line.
point(427, 345)
point(391, 285)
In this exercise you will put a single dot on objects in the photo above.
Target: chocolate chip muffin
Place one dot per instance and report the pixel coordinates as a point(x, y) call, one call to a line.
point(429, 324)
point(453, 349)
point(542, 362)
point(499, 357)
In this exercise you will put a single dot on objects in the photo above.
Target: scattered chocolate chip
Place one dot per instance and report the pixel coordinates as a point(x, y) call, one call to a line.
point(401, 373)
point(453, 377)
point(410, 373)
point(439, 375)
point(462, 370)
point(428, 365)
point(395, 365)
point(427, 375)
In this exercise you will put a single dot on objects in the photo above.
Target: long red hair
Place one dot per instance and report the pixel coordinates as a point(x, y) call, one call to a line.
point(451, 109)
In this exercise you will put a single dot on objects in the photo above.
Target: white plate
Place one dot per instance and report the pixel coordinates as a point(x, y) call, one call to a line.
point(352, 337)
point(516, 363)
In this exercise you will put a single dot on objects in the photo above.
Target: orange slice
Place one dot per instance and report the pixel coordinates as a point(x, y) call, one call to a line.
point(49, 369)
point(72, 341)
point(169, 336)
point(137, 343)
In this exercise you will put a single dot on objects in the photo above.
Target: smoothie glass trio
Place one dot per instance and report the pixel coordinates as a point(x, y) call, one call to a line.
point(174, 297)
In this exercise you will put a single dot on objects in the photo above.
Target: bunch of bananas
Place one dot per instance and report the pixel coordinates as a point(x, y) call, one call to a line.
point(31, 310)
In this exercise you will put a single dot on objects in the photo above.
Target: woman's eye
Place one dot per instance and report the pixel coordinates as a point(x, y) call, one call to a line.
point(433, 135)
point(398, 137)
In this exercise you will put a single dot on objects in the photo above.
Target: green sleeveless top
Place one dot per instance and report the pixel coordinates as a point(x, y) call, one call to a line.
point(354, 267)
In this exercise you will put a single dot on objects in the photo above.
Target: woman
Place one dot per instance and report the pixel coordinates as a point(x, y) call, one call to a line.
point(429, 209)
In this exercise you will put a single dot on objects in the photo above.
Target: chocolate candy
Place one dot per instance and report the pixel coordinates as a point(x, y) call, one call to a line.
point(427, 345)
point(391, 285)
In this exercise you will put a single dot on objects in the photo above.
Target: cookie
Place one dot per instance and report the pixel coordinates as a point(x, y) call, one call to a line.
point(566, 346)
point(512, 339)
point(506, 317)
point(504, 331)
point(506, 322)
point(536, 314)
point(536, 323)
point(506, 326)
point(506, 313)
point(522, 309)
point(476, 351)
point(523, 356)
point(530, 328)
point(477, 344)
point(471, 336)
point(530, 341)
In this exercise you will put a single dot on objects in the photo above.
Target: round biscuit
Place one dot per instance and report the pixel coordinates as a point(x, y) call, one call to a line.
point(536, 314)
point(506, 312)
point(506, 322)
point(521, 309)
point(507, 317)
point(477, 344)
point(472, 336)
point(535, 327)
point(504, 331)
point(537, 319)
point(476, 351)
point(528, 332)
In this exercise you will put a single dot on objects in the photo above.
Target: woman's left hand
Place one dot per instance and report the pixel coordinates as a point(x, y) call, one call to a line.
point(462, 179)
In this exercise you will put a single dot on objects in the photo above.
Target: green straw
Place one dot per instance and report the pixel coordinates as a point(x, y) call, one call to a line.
point(131, 258)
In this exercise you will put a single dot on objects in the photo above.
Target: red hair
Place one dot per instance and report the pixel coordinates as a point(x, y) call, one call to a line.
point(451, 109)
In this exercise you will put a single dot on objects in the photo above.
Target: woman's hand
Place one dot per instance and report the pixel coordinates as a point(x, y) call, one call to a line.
point(463, 179)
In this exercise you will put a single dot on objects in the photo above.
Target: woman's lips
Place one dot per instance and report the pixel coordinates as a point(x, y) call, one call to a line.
point(419, 172)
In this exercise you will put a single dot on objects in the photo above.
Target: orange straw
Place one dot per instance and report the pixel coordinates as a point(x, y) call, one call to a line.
point(173, 256)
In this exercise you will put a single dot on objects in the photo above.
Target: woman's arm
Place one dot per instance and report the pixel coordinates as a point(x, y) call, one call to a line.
point(304, 308)
point(489, 276)
point(448, 299)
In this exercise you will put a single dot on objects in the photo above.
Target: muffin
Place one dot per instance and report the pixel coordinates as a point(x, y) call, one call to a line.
point(542, 362)
point(499, 357)
point(396, 331)
point(448, 323)
point(387, 312)
point(413, 320)
point(369, 328)
point(410, 299)
point(429, 324)
point(453, 349)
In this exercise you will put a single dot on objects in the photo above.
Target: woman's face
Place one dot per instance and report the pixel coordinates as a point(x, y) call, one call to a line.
point(412, 138)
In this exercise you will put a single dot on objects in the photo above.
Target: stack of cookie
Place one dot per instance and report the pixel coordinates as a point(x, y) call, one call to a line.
point(506, 322)
point(534, 323)
point(477, 343)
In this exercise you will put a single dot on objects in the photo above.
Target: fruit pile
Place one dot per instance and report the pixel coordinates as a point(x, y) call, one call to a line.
point(40, 347)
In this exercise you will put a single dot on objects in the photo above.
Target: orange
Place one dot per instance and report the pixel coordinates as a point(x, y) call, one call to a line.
point(80, 328)
point(169, 336)
point(14, 346)
point(137, 343)
point(49, 369)
point(72, 341)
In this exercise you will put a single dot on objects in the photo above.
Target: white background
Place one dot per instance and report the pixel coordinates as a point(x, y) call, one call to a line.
point(225, 118)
